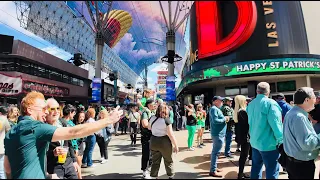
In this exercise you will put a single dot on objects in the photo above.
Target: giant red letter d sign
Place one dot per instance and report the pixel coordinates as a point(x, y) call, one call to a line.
point(210, 41)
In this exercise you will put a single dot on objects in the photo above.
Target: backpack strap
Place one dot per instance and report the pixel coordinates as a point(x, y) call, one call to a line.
point(153, 121)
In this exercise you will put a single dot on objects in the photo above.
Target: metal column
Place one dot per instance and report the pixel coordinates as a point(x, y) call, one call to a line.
point(99, 51)
point(170, 41)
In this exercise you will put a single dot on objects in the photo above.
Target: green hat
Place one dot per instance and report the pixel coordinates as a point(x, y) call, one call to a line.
point(102, 108)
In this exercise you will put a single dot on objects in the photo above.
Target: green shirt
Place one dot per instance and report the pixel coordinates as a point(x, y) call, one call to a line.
point(171, 116)
point(265, 123)
point(74, 142)
point(143, 103)
point(26, 145)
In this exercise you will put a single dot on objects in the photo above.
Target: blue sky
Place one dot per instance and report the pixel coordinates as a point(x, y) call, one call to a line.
point(9, 25)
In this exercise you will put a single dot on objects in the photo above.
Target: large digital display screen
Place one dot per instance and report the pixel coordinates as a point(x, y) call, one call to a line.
point(253, 67)
point(145, 41)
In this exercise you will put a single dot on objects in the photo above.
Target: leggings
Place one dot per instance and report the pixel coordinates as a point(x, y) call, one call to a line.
point(191, 132)
point(133, 135)
point(245, 148)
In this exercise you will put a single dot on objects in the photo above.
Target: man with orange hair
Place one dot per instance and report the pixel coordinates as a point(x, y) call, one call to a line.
point(26, 143)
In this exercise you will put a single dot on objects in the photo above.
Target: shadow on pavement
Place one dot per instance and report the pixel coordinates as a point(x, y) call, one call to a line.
point(124, 148)
point(206, 165)
point(129, 154)
point(114, 176)
point(184, 175)
point(231, 175)
point(195, 159)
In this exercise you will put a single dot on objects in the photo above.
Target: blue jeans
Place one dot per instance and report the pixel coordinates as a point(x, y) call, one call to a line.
point(228, 143)
point(269, 159)
point(2, 174)
point(217, 142)
point(87, 155)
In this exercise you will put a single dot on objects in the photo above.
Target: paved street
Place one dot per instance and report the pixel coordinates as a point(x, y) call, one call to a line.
point(124, 161)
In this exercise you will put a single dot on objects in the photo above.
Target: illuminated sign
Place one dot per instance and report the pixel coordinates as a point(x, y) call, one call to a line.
point(210, 40)
point(253, 67)
point(46, 89)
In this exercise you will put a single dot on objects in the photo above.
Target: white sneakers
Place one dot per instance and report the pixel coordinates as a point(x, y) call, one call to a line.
point(104, 161)
point(146, 174)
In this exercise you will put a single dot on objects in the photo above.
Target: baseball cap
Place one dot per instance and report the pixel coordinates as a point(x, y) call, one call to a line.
point(3, 110)
point(228, 99)
point(280, 96)
point(317, 93)
point(217, 98)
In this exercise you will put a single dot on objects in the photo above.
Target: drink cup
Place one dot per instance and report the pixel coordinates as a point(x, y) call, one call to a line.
point(62, 157)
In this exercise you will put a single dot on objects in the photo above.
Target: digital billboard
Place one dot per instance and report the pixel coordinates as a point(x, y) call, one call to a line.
point(145, 42)
point(253, 67)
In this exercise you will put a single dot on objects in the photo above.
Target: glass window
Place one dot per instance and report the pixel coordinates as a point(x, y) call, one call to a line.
point(272, 87)
point(243, 90)
point(286, 86)
point(229, 91)
point(66, 79)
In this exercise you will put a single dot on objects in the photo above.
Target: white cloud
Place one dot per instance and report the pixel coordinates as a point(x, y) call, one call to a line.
point(8, 16)
point(125, 49)
point(160, 67)
point(55, 51)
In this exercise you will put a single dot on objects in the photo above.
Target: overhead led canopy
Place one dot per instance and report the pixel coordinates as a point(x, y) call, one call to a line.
point(56, 23)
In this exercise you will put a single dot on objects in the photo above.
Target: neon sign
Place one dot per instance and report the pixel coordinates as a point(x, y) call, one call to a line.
point(210, 41)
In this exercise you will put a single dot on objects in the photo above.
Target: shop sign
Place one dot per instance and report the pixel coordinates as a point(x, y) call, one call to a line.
point(10, 86)
point(46, 89)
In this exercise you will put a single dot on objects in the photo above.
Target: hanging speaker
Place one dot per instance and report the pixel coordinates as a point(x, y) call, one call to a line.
point(6, 44)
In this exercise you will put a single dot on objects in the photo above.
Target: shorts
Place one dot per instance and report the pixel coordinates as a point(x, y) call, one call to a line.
point(201, 124)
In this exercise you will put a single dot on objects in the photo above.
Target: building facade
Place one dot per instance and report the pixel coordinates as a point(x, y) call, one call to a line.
point(243, 43)
point(43, 72)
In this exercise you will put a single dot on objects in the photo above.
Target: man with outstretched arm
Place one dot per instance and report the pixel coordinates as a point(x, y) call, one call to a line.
point(26, 143)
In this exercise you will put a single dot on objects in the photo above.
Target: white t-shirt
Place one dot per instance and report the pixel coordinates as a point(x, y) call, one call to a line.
point(133, 117)
point(159, 128)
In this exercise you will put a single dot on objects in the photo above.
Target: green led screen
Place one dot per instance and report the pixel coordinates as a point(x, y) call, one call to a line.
point(253, 67)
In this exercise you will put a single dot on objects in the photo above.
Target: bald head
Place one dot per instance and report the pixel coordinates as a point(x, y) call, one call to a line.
point(54, 111)
point(52, 102)
point(263, 88)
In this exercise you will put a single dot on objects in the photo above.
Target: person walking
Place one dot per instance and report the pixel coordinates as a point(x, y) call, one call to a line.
point(4, 128)
point(300, 141)
point(228, 111)
point(145, 137)
point(191, 125)
point(134, 122)
point(177, 116)
point(240, 117)
point(103, 137)
point(265, 129)
point(161, 141)
point(90, 141)
point(218, 131)
point(201, 120)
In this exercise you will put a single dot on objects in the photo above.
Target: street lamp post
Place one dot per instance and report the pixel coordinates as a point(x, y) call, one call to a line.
point(172, 27)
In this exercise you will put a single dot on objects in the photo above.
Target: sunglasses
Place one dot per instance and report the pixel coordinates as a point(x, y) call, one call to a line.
point(52, 109)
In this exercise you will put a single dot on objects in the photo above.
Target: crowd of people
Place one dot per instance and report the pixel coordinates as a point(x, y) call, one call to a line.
point(271, 132)
point(45, 139)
